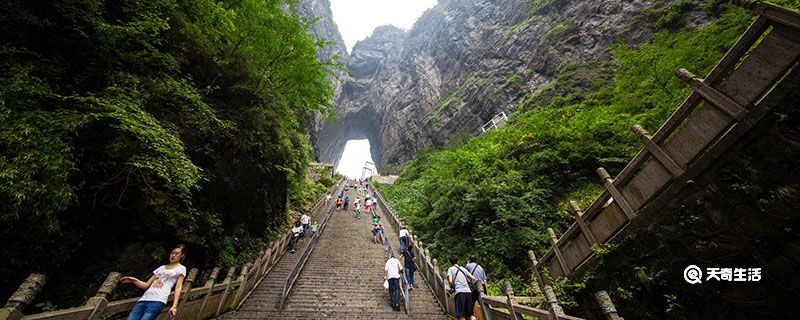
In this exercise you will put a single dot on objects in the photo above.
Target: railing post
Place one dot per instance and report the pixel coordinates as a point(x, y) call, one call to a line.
point(436, 277)
point(712, 96)
point(187, 287)
point(100, 300)
point(607, 305)
point(509, 299)
point(22, 297)
point(618, 198)
point(657, 152)
point(557, 251)
point(573, 207)
point(228, 280)
point(555, 310)
point(537, 277)
point(242, 284)
point(210, 285)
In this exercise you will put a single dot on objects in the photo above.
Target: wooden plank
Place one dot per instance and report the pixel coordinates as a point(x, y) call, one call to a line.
point(575, 250)
point(712, 96)
point(619, 199)
point(119, 306)
point(764, 65)
point(648, 182)
point(723, 67)
point(559, 256)
point(576, 211)
point(657, 151)
point(500, 302)
point(772, 12)
point(79, 313)
point(702, 128)
point(606, 224)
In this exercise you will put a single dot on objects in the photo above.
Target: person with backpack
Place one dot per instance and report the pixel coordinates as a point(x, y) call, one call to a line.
point(346, 202)
point(409, 258)
point(480, 275)
point(459, 279)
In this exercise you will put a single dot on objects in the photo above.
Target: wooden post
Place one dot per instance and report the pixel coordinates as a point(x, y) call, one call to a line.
point(573, 207)
point(772, 12)
point(711, 95)
point(557, 251)
point(509, 299)
point(242, 284)
point(607, 305)
point(537, 276)
point(618, 198)
point(210, 285)
point(22, 297)
point(265, 265)
point(228, 280)
point(435, 275)
point(100, 300)
point(187, 287)
point(549, 295)
point(262, 257)
point(659, 153)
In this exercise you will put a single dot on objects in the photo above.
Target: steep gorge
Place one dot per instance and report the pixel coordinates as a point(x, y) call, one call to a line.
point(465, 61)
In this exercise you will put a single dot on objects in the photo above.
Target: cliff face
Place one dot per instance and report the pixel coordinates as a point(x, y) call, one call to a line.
point(324, 28)
point(465, 61)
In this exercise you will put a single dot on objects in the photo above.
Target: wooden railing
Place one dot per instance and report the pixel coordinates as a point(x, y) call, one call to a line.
point(720, 110)
point(197, 302)
point(435, 279)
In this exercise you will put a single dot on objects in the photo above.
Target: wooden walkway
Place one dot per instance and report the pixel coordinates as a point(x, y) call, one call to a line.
point(722, 107)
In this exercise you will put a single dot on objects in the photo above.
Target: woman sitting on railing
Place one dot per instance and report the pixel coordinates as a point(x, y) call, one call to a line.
point(158, 287)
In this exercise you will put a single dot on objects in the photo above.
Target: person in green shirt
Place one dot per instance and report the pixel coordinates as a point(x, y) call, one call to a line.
point(314, 228)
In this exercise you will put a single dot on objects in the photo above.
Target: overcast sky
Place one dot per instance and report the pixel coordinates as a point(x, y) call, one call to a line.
point(356, 154)
point(357, 18)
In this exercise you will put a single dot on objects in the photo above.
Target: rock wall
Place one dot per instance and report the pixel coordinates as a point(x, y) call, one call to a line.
point(465, 61)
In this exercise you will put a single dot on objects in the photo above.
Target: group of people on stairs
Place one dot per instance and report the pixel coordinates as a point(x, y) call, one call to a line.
point(466, 285)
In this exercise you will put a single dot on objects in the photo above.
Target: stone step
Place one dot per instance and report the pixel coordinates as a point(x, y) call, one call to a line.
point(343, 278)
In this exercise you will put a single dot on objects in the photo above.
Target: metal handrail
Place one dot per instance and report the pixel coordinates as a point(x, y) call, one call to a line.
point(298, 267)
point(403, 283)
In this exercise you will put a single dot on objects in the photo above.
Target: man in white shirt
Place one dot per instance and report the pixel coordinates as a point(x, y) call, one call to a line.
point(391, 272)
point(459, 278)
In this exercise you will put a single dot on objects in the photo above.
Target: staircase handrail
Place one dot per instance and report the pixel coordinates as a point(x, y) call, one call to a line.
point(298, 267)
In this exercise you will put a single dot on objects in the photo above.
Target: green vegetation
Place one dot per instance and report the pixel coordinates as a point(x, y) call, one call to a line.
point(537, 6)
point(496, 195)
point(170, 120)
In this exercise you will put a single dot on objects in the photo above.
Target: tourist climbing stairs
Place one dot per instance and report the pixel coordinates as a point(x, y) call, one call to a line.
point(342, 279)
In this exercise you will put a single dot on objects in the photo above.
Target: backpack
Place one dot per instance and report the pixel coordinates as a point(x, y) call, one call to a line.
point(473, 286)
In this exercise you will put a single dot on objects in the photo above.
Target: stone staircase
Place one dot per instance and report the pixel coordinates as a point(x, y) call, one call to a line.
point(342, 279)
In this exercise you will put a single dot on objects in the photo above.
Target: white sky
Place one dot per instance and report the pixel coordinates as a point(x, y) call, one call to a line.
point(357, 18)
point(356, 154)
